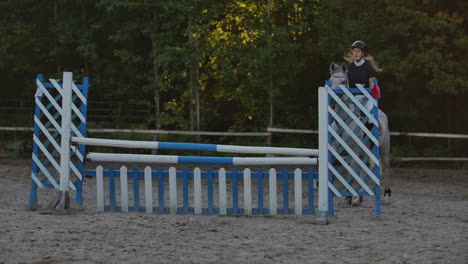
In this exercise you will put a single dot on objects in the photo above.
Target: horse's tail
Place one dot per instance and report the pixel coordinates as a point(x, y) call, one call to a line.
point(385, 150)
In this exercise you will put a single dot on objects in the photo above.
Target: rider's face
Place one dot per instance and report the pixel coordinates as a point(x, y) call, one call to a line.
point(357, 54)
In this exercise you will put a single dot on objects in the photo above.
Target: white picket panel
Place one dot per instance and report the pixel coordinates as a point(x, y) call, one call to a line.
point(148, 190)
point(222, 192)
point(100, 188)
point(197, 190)
point(272, 192)
point(173, 190)
point(298, 191)
point(247, 191)
point(124, 188)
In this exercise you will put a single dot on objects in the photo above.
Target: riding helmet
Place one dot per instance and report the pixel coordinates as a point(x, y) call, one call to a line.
point(359, 44)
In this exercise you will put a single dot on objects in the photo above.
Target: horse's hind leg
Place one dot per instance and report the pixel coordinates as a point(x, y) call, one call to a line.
point(386, 179)
point(357, 200)
point(387, 192)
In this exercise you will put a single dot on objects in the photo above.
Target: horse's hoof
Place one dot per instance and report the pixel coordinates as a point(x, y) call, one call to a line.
point(357, 201)
point(387, 192)
point(349, 199)
point(386, 198)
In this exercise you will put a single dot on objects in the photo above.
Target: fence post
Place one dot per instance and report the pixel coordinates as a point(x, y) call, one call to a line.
point(65, 140)
point(323, 154)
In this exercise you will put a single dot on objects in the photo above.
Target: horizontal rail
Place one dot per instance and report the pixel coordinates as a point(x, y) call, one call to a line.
point(16, 129)
point(287, 130)
point(268, 133)
point(432, 159)
point(193, 146)
point(154, 131)
point(431, 135)
point(170, 159)
point(394, 133)
point(158, 131)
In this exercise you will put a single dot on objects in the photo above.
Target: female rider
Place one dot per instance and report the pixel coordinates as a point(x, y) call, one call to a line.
point(362, 69)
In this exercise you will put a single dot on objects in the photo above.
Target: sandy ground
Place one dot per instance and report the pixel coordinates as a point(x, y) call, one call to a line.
point(426, 222)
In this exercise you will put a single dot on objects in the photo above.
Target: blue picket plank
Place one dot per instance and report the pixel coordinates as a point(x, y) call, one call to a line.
point(160, 176)
point(310, 186)
point(285, 177)
point(185, 192)
point(136, 188)
point(235, 194)
point(112, 201)
point(209, 173)
point(259, 177)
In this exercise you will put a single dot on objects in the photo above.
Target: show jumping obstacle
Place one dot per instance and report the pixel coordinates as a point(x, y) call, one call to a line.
point(347, 165)
point(53, 126)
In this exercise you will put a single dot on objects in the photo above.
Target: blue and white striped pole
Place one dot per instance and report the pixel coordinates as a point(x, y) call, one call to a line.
point(170, 159)
point(194, 146)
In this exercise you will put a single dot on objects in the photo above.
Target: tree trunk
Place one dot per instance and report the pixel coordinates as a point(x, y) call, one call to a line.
point(270, 67)
point(57, 44)
point(191, 76)
point(194, 78)
point(84, 22)
point(156, 98)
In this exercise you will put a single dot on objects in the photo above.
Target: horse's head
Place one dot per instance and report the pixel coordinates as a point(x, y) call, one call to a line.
point(338, 74)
